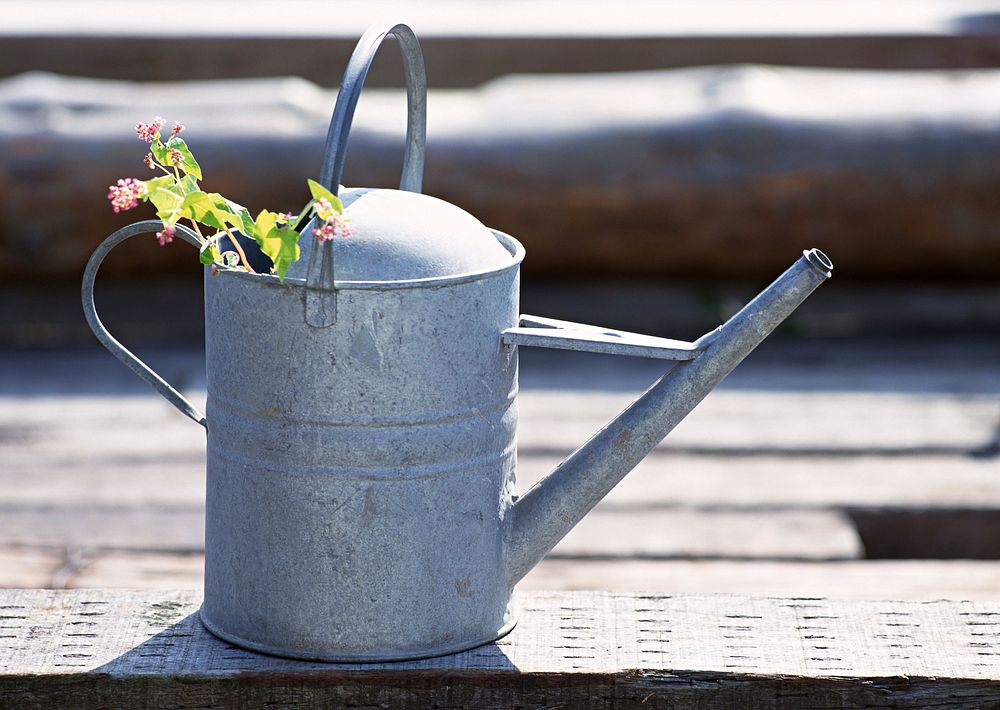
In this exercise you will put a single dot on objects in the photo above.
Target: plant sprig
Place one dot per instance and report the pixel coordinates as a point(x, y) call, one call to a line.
point(176, 195)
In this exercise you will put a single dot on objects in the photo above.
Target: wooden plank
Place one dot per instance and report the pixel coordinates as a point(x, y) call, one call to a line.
point(801, 482)
point(99, 448)
point(85, 471)
point(759, 422)
point(147, 527)
point(75, 431)
point(30, 567)
point(663, 534)
point(866, 579)
point(106, 479)
point(133, 570)
point(747, 415)
point(588, 650)
point(814, 535)
point(102, 476)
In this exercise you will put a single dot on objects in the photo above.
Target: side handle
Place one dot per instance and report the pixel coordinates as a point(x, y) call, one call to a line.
point(563, 335)
point(107, 340)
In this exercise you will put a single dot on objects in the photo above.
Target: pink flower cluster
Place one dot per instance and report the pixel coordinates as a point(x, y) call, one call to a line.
point(126, 194)
point(149, 132)
point(332, 227)
point(166, 236)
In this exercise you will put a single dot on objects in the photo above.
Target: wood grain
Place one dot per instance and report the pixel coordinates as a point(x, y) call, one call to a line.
point(810, 534)
point(913, 580)
point(588, 650)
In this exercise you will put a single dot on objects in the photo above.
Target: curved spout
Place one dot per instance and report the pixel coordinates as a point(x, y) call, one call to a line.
point(555, 504)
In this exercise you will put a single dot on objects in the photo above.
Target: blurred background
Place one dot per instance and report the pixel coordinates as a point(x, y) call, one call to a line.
point(661, 162)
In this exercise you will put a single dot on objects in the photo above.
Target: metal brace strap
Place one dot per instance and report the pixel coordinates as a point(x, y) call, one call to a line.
point(564, 335)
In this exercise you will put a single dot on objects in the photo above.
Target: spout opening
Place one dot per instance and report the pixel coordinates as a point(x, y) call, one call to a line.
point(820, 261)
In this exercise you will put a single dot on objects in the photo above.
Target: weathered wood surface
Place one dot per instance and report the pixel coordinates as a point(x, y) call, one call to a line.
point(725, 172)
point(806, 463)
point(100, 648)
point(913, 580)
point(466, 44)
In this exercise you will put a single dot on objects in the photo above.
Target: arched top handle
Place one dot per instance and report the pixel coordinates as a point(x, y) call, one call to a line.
point(335, 152)
point(321, 296)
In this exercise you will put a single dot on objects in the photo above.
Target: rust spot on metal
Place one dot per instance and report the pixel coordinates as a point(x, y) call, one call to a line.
point(463, 587)
point(622, 439)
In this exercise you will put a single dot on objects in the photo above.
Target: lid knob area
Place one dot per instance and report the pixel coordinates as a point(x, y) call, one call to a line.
point(398, 235)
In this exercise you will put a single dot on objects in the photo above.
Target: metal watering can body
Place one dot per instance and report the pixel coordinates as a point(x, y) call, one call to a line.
point(359, 475)
point(361, 447)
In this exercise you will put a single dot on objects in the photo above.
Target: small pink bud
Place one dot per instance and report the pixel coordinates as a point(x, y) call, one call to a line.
point(178, 127)
point(175, 157)
point(324, 210)
point(332, 227)
point(166, 236)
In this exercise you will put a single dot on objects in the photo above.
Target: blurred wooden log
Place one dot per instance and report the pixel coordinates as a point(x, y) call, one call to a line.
point(465, 44)
point(718, 172)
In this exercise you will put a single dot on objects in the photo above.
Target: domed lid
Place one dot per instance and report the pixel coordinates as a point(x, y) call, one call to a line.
point(399, 236)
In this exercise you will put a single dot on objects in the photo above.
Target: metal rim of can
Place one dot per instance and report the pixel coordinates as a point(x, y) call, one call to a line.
point(509, 243)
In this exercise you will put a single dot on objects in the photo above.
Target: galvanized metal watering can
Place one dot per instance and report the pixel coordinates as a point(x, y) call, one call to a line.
point(360, 506)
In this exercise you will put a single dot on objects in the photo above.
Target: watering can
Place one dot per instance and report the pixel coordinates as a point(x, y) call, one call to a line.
point(361, 447)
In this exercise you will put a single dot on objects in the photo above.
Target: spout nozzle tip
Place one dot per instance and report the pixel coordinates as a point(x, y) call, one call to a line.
point(819, 261)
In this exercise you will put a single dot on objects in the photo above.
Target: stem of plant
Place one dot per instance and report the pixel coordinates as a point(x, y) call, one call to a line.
point(302, 214)
point(197, 230)
point(239, 250)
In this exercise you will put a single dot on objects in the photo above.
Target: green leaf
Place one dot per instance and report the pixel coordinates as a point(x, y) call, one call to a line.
point(209, 252)
point(189, 183)
point(215, 211)
point(201, 207)
point(278, 241)
point(321, 193)
point(188, 164)
point(245, 223)
point(160, 152)
point(166, 196)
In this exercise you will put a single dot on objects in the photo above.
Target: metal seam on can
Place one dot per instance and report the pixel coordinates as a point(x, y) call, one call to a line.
point(239, 410)
point(354, 472)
